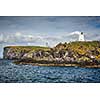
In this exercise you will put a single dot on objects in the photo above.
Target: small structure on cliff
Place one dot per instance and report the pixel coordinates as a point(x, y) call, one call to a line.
point(47, 44)
point(81, 37)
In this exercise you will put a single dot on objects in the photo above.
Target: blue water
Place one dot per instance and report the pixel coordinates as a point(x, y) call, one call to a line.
point(11, 73)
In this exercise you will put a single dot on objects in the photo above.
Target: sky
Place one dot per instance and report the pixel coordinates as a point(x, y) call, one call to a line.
point(38, 30)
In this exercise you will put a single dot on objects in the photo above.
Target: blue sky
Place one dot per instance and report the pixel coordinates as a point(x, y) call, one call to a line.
point(49, 25)
point(51, 29)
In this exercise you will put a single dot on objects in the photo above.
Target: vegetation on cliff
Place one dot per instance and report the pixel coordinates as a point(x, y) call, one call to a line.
point(17, 52)
point(83, 53)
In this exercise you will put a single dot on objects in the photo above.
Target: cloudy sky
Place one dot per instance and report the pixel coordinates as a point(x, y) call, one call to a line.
point(52, 29)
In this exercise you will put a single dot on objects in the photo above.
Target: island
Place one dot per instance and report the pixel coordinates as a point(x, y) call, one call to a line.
point(78, 53)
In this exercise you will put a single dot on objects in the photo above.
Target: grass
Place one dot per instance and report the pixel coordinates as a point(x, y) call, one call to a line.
point(28, 48)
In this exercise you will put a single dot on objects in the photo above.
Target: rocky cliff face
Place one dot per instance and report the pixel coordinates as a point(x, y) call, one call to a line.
point(74, 52)
point(24, 52)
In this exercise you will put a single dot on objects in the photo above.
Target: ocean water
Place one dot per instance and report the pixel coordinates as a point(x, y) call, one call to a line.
point(11, 73)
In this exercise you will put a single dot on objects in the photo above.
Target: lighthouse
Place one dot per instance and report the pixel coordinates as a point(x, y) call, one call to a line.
point(47, 44)
point(81, 37)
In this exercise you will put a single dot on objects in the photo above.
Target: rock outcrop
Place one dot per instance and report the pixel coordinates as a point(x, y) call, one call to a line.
point(83, 53)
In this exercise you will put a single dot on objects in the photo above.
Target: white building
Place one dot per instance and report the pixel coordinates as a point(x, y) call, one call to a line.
point(81, 37)
point(47, 44)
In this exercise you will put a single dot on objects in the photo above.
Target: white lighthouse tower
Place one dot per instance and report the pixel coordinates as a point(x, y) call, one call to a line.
point(81, 37)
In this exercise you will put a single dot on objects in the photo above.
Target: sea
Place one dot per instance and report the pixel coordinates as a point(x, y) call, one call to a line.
point(11, 73)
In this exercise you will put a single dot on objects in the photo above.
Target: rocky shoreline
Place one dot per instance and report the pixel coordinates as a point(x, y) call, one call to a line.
point(82, 54)
point(54, 63)
point(57, 65)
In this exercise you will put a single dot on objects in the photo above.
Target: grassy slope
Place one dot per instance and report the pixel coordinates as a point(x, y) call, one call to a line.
point(28, 48)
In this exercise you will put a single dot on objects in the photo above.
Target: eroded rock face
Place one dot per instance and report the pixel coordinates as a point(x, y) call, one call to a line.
point(71, 52)
point(13, 53)
point(9, 53)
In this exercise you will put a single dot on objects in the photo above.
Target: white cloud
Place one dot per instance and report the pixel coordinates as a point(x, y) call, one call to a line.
point(18, 34)
point(40, 39)
point(1, 37)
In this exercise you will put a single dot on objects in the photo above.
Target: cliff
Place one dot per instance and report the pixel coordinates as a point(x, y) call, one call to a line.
point(80, 53)
point(22, 52)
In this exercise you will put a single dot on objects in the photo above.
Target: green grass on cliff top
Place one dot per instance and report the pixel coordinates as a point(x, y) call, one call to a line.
point(29, 47)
